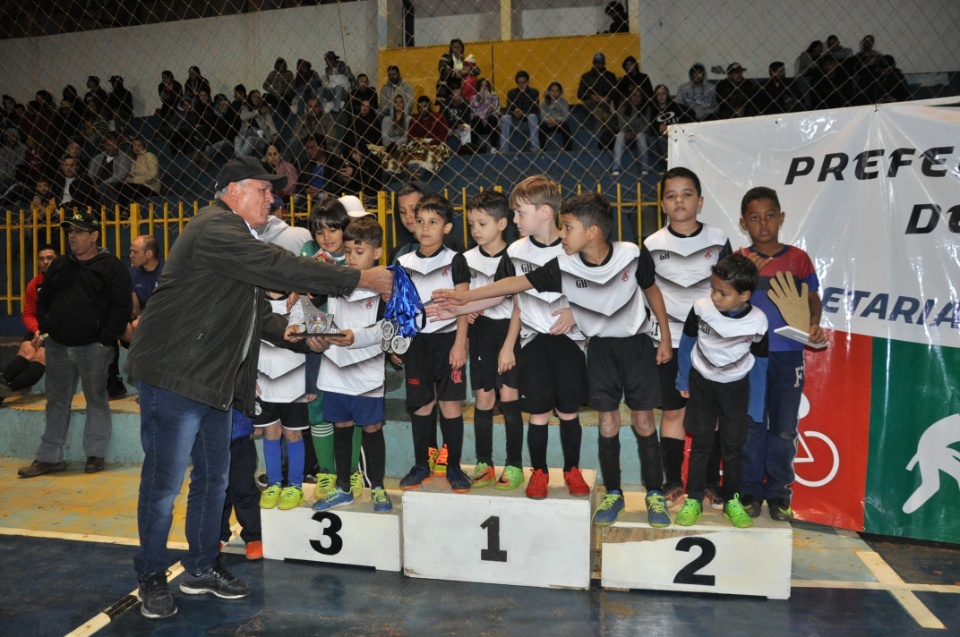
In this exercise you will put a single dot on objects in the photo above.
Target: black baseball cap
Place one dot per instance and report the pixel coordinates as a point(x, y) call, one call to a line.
point(84, 220)
point(247, 168)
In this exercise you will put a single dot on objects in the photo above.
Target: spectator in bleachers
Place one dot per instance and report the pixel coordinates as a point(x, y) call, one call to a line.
point(460, 122)
point(523, 105)
point(72, 113)
point(75, 151)
point(306, 84)
point(806, 63)
point(633, 76)
point(314, 174)
point(72, 188)
point(96, 126)
point(426, 124)
point(35, 163)
point(394, 126)
point(181, 128)
point(10, 115)
point(836, 49)
point(46, 100)
point(633, 125)
point(313, 122)
point(395, 85)
point(279, 86)
point(263, 128)
point(555, 111)
point(338, 82)
point(363, 93)
point(698, 94)
point(619, 21)
point(736, 95)
point(486, 113)
point(11, 157)
point(143, 180)
point(119, 102)
point(275, 165)
point(94, 91)
point(885, 82)
point(470, 79)
point(663, 113)
point(43, 204)
point(39, 123)
point(109, 169)
point(225, 129)
point(778, 93)
point(358, 174)
point(170, 92)
point(195, 83)
point(867, 56)
point(831, 87)
point(26, 368)
point(364, 128)
point(451, 67)
point(597, 91)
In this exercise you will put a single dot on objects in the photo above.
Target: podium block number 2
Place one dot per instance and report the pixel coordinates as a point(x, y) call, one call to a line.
point(688, 574)
point(331, 524)
point(492, 553)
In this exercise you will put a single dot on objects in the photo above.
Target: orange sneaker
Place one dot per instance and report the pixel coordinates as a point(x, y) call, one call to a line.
point(440, 465)
point(254, 550)
point(537, 486)
point(576, 485)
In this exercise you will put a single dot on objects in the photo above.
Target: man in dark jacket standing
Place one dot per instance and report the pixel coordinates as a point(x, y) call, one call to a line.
point(83, 307)
point(195, 356)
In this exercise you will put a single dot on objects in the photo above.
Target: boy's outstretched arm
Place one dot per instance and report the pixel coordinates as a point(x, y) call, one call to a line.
point(501, 288)
point(441, 311)
point(655, 299)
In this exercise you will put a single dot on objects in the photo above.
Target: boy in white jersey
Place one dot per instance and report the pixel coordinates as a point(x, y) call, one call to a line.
point(493, 346)
point(351, 377)
point(683, 254)
point(725, 342)
point(434, 363)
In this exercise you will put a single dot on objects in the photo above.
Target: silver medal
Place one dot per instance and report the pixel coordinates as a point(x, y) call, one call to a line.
point(400, 344)
point(388, 330)
point(385, 344)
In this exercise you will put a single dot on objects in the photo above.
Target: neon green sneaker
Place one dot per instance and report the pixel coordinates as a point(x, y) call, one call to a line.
point(326, 482)
point(737, 515)
point(690, 513)
point(290, 498)
point(356, 484)
point(510, 478)
point(270, 496)
point(483, 475)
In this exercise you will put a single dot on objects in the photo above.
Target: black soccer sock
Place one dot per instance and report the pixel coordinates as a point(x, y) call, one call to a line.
point(483, 433)
point(651, 466)
point(422, 427)
point(26, 378)
point(375, 453)
point(433, 442)
point(452, 430)
point(671, 454)
point(570, 436)
point(610, 462)
point(713, 464)
point(342, 450)
point(15, 367)
point(537, 436)
point(513, 426)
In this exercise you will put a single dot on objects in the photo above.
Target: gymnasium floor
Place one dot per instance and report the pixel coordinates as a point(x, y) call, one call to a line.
point(67, 542)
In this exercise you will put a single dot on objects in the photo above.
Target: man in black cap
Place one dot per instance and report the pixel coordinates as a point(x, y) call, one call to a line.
point(736, 95)
point(338, 82)
point(195, 356)
point(598, 91)
point(82, 308)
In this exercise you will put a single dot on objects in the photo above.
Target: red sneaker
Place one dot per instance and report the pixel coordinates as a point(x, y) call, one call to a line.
point(254, 550)
point(576, 485)
point(537, 486)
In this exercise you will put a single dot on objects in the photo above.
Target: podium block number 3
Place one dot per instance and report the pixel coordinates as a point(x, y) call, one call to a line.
point(688, 574)
point(331, 524)
point(492, 553)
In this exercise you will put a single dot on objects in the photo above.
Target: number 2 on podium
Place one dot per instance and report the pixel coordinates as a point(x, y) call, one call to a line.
point(492, 553)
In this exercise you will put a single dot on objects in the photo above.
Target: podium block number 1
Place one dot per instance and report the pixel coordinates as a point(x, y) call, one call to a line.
point(492, 553)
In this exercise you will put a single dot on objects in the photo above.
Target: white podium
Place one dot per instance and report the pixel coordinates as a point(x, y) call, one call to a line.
point(498, 537)
point(710, 557)
point(352, 535)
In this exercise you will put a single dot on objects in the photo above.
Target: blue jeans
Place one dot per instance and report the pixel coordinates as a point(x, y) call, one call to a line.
point(620, 146)
point(176, 430)
point(772, 446)
point(506, 129)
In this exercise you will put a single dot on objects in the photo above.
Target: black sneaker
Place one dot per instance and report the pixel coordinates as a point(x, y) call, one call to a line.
point(779, 509)
point(262, 481)
point(154, 595)
point(217, 581)
point(94, 465)
point(751, 505)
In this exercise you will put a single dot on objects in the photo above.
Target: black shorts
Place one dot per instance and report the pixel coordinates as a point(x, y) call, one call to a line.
point(623, 368)
point(429, 375)
point(289, 415)
point(672, 400)
point(554, 375)
point(486, 340)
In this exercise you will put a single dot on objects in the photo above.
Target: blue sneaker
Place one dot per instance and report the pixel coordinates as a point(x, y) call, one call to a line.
point(415, 477)
point(459, 481)
point(381, 500)
point(609, 509)
point(335, 498)
point(657, 514)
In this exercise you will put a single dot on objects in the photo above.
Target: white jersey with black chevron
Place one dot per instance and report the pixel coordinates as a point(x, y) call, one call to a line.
point(356, 370)
point(483, 269)
point(722, 352)
point(281, 373)
point(429, 274)
point(537, 308)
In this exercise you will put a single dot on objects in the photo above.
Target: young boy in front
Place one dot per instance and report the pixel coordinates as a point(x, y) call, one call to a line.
point(605, 284)
point(493, 346)
point(351, 377)
point(725, 342)
point(434, 362)
point(683, 252)
point(772, 441)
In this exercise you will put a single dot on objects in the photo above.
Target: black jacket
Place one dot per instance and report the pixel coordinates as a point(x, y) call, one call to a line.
point(199, 336)
point(85, 302)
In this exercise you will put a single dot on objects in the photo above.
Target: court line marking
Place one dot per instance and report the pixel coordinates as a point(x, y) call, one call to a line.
point(85, 537)
point(910, 602)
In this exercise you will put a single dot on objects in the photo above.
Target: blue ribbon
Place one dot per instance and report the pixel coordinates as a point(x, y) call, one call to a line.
point(404, 304)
